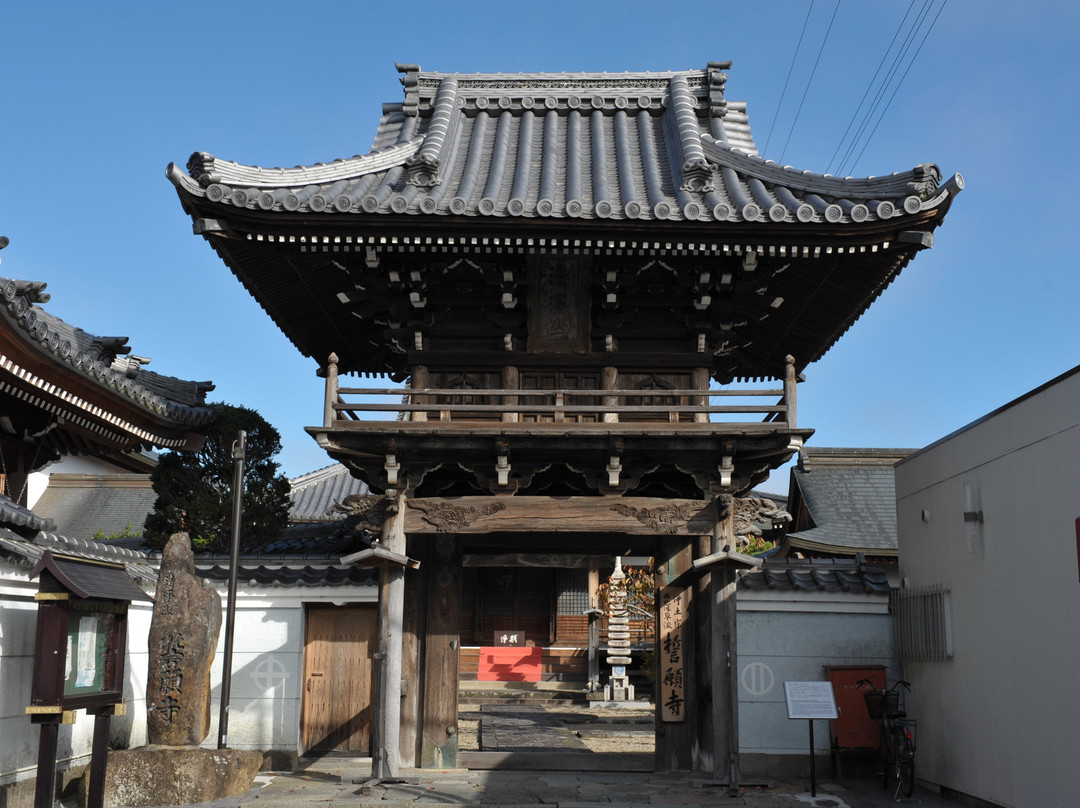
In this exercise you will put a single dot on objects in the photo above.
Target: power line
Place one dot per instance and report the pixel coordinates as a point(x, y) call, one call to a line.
point(893, 68)
point(810, 80)
point(891, 97)
point(869, 87)
point(791, 69)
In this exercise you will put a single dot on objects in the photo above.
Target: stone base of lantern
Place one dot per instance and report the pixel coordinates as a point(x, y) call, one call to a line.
point(619, 689)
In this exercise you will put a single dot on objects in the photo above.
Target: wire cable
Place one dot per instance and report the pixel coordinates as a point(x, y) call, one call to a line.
point(890, 75)
point(869, 87)
point(810, 80)
point(906, 70)
point(791, 70)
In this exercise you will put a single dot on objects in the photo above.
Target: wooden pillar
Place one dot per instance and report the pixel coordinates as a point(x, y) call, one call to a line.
point(95, 797)
point(331, 396)
point(511, 380)
point(789, 391)
point(385, 758)
point(594, 614)
point(725, 679)
point(701, 609)
point(700, 380)
point(45, 786)
point(419, 381)
point(609, 380)
point(441, 569)
point(412, 624)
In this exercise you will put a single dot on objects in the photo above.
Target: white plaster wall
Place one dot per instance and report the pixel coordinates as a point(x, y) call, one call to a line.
point(999, 721)
point(18, 737)
point(795, 646)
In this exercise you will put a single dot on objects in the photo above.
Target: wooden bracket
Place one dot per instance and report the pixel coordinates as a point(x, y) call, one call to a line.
point(614, 469)
point(726, 468)
point(392, 468)
point(502, 469)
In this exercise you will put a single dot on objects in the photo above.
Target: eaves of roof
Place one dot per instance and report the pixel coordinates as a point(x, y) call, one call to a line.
point(54, 365)
point(640, 147)
point(16, 517)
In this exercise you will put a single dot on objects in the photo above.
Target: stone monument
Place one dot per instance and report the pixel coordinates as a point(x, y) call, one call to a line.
point(173, 769)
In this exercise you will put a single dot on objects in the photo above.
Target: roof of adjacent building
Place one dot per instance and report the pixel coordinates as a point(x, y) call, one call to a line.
point(312, 496)
point(94, 384)
point(630, 146)
point(84, 505)
point(844, 501)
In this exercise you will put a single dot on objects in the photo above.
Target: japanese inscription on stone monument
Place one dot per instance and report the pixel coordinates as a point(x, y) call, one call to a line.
point(183, 637)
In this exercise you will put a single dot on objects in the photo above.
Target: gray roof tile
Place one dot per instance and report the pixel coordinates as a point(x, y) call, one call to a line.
point(21, 519)
point(312, 495)
point(818, 575)
point(659, 146)
point(851, 500)
point(83, 504)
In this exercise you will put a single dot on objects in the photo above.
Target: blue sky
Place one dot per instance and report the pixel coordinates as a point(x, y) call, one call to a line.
point(98, 98)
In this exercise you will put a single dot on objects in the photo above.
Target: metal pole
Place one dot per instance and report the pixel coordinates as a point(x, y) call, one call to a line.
point(239, 450)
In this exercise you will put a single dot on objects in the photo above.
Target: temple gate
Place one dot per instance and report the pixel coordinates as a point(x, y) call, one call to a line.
point(601, 300)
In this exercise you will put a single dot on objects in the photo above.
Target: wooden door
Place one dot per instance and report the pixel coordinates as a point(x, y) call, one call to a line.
point(337, 713)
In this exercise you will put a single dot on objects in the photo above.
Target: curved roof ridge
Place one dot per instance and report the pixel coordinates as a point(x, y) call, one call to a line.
point(923, 179)
point(208, 170)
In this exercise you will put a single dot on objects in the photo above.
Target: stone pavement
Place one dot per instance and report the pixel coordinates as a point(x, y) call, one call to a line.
point(542, 735)
point(351, 787)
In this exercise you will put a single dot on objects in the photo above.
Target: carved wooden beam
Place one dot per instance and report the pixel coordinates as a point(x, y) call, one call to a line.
point(638, 516)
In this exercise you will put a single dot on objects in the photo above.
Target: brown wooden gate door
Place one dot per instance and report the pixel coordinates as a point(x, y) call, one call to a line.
point(339, 644)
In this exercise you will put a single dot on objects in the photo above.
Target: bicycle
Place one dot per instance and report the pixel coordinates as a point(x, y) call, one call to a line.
point(897, 733)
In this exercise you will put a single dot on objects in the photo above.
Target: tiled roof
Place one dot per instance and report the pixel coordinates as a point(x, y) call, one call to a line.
point(823, 575)
point(311, 575)
point(324, 538)
point(852, 505)
point(312, 495)
point(27, 552)
point(103, 361)
point(630, 146)
point(83, 504)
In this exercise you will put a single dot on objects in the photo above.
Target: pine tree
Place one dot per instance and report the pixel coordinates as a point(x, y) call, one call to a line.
point(194, 489)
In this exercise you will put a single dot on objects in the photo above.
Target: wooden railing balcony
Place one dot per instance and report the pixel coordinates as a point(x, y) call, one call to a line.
point(479, 406)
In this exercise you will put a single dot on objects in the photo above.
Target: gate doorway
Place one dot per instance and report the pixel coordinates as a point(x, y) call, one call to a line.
point(336, 713)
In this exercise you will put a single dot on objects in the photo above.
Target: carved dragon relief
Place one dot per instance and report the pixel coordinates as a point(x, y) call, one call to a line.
point(664, 518)
point(362, 511)
point(448, 517)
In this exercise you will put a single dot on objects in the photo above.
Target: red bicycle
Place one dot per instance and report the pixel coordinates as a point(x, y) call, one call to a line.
point(897, 733)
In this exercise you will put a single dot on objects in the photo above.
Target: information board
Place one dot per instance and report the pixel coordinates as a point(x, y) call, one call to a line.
point(810, 700)
point(87, 644)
